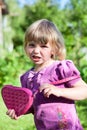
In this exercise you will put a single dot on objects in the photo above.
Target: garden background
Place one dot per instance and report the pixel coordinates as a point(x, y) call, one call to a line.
point(14, 20)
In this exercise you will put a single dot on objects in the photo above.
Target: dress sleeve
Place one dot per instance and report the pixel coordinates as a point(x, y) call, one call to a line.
point(23, 80)
point(68, 69)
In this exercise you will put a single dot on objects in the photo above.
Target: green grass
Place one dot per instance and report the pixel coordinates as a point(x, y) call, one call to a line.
point(25, 122)
point(82, 112)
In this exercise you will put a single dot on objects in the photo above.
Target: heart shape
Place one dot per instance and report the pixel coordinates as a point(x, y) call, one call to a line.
point(17, 98)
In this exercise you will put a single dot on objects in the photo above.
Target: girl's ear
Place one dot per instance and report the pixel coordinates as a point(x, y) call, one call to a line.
point(52, 54)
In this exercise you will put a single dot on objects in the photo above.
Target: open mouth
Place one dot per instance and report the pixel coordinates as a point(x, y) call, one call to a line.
point(35, 58)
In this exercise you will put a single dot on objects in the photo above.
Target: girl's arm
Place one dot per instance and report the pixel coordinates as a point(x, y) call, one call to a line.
point(77, 92)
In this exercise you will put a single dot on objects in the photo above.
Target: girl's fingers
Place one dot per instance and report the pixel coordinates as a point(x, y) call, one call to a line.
point(11, 113)
point(47, 92)
point(43, 87)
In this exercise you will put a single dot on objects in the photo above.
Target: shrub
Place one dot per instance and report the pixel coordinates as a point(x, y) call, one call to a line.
point(12, 66)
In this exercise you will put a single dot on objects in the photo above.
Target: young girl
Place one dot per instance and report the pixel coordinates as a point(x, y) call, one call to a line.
point(53, 106)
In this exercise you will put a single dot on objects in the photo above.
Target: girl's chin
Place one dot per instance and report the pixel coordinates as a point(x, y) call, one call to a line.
point(37, 62)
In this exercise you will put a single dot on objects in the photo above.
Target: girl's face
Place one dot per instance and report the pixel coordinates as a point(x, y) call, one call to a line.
point(39, 53)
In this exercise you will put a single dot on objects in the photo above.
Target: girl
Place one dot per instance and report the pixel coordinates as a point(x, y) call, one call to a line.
point(53, 106)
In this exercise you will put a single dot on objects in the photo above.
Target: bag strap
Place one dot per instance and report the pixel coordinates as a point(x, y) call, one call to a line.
point(65, 80)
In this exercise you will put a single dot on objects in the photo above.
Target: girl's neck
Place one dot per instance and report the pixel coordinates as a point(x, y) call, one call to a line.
point(42, 66)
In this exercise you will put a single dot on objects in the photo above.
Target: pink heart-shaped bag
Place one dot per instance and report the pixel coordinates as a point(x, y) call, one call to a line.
point(17, 98)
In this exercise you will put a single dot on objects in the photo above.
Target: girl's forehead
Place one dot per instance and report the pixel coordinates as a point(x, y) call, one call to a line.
point(37, 42)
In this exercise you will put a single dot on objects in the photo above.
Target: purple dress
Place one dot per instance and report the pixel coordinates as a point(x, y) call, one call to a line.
point(53, 113)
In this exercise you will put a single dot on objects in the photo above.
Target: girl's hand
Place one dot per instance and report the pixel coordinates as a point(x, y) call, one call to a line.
point(78, 91)
point(11, 113)
point(49, 89)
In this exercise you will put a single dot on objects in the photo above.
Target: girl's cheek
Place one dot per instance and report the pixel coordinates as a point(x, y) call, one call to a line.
point(28, 51)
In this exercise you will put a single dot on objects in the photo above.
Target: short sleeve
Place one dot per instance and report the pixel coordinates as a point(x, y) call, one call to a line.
point(68, 69)
point(23, 80)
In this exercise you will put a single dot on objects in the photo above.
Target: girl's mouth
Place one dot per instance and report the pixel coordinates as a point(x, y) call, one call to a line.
point(35, 58)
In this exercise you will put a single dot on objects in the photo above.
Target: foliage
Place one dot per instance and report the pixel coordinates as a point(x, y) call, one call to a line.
point(12, 66)
point(75, 34)
point(29, 14)
point(81, 107)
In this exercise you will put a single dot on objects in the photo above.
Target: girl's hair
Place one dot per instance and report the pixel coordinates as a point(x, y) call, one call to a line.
point(44, 31)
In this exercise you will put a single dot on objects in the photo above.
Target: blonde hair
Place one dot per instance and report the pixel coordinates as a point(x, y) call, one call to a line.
point(44, 31)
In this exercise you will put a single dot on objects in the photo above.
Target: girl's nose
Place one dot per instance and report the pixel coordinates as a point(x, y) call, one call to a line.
point(36, 49)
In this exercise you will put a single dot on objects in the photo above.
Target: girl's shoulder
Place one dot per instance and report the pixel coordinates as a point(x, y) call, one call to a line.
point(25, 74)
point(66, 68)
point(63, 64)
point(24, 77)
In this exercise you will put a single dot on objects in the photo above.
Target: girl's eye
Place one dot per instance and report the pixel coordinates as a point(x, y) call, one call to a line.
point(31, 45)
point(44, 46)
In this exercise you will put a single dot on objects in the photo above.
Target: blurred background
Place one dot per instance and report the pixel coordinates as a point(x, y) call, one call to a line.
point(70, 16)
